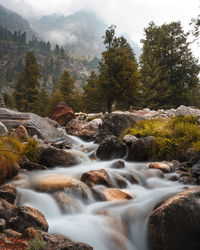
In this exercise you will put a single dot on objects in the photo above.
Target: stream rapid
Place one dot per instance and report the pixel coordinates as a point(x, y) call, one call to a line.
point(105, 225)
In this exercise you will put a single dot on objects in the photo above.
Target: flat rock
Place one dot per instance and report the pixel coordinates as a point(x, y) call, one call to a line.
point(111, 194)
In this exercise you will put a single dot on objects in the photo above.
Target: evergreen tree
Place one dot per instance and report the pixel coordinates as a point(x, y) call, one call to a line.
point(169, 71)
point(42, 103)
point(118, 74)
point(92, 97)
point(26, 92)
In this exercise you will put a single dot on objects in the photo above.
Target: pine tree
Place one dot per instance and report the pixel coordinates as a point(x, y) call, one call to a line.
point(118, 74)
point(168, 69)
point(26, 91)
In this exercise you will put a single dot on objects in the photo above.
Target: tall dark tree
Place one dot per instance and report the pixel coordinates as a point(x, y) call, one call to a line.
point(169, 72)
point(26, 92)
point(118, 72)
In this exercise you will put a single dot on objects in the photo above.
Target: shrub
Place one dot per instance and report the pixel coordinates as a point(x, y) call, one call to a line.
point(36, 244)
point(30, 150)
point(172, 136)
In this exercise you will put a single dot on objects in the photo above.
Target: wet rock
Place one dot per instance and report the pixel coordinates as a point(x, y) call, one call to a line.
point(163, 166)
point(65, 202)
point(102, 177)
point(175, 224)
point(2, 225)
point(110, 148)
point(25, 217)
point(111, 194)
point(129, 139)
point(30, 166)
point(34, 124)
point(140, 149)
point(118, 164)
point(4, 204)
point(115, 123)
point(8, 192)
point(82, 129)
point(22, 133)
point(3, 130)
point(151, 172)
point(13, 243)
point(52, 183)
point(51, 157)
point(12, 234)
point(130, 177)
point(196, 170)
point(62, 113)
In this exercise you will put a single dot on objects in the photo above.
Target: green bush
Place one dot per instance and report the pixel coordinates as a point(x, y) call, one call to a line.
point(36, 244)
point(172, 136)
point(30, 150)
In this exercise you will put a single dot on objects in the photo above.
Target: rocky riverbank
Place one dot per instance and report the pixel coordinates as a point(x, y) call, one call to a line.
point(20, 223)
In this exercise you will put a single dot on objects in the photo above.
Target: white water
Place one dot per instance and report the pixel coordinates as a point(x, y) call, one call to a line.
point(105, 225)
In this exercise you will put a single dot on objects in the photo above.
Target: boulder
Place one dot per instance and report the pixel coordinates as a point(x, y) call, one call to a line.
point(163, 166)
point(102, 177)
point(52, 183)
point(140, 149)
point(110, 148)
point(51, 157)
point(30, 166)
point(24, 217)
point(83, 129)
point(185, 111)
point(115, 123)
point(129, 139)
point(111, 194)
point(62, 113)
point(13, 243)
point(22, 133)
point(3, 130)
point(7, 170)
point(8, 192)
point(34, 124)
point(118, 164)
point(175, 224)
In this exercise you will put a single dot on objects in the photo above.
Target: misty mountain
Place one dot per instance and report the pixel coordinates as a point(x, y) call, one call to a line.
point(14, 22)
point(79, 34)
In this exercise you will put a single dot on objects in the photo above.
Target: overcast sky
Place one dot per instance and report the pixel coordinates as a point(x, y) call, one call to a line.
point(130, 16)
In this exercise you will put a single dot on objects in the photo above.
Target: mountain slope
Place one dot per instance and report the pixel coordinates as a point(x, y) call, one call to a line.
point(80, 34)
point(14, 22)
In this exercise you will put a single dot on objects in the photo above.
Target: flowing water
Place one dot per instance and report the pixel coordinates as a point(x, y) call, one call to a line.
point(105, 225)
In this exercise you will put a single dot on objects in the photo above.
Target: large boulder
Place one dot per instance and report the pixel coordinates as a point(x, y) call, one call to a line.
point(140, 150)
point(175, 224)
point(83, 129)
point(24, 217)
point(62, 113)
point(115, 123)
point(51, 157)
point(185, 111)
point(102, 177)
point(52, 183)
point(34, 124)
point(110, 148)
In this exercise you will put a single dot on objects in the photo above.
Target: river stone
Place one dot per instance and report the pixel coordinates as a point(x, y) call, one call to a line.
point(175, 224)
point(62, 113)
point(2, 225)
point(140, 149)
point(12, 234)
point(34, 124)
point(8, 192)
point(118, 164)
point(110, 148)
point(163, 166)
point(102, 177)
point(25, 217)
point(115, 123)
point(65, 202)
point(83, 129)
point(52, 183)
point(111, 194)
point(51, 157)
point(129, 139)
point(3, 130)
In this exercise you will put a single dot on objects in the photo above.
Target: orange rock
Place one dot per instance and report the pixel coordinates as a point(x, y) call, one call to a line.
point(164, 167)
point(13, 244)
point(53, 183)
point(111, 194)
point(22, 133)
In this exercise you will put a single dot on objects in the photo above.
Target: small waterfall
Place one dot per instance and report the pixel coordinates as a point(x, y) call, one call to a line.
point(105, 225)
